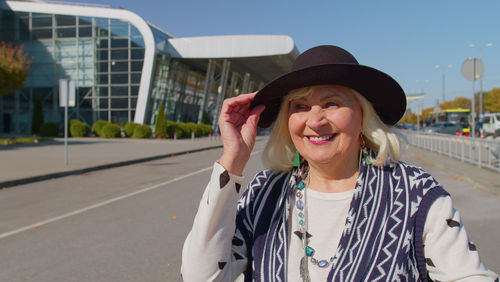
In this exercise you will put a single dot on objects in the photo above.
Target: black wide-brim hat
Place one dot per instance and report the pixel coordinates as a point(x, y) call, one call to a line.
point(333, 65)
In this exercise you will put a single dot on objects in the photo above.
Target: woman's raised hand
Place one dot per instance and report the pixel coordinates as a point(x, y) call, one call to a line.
point(238, 126)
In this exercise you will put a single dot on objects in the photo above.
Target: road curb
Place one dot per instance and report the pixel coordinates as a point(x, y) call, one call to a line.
point(27, 180)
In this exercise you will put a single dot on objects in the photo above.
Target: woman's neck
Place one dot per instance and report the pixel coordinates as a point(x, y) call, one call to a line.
point(330, 179)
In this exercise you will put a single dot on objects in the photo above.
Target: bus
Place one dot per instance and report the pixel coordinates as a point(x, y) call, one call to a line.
point(458, 116)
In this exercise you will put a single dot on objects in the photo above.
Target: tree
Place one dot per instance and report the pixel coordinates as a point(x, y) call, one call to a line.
point(14, 68)
point(37, 118)
point(161, 123)
point(491, 101)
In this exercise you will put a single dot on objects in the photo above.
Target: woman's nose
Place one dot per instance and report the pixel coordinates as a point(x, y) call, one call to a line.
point(316, 118)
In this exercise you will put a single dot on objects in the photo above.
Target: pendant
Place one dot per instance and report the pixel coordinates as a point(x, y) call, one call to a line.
point(304, 272)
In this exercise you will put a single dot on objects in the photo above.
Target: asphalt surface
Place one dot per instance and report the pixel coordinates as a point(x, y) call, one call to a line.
point(128, 222)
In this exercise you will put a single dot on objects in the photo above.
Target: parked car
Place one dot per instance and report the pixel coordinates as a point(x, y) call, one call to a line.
point(491, 124)
point(404, 126)
point(444, 127)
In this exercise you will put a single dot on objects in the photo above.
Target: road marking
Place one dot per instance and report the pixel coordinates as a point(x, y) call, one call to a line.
point(107, 202)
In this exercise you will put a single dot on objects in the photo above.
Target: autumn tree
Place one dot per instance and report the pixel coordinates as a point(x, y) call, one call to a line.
point(14, 68)
point(491, 101)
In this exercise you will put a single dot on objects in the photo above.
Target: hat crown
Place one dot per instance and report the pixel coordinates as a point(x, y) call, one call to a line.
point(323, 55)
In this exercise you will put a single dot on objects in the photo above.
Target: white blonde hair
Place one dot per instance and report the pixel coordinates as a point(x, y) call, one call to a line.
point(379, 137)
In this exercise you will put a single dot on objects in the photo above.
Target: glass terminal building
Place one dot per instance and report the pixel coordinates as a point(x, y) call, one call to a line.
point(124, 67)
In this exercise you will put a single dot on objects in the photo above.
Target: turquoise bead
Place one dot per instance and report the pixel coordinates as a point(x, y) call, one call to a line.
point(301, 222)
point(301, 185)
point(309, 251)
point(301, 215)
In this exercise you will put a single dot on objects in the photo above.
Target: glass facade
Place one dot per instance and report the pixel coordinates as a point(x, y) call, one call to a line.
point(105, 57)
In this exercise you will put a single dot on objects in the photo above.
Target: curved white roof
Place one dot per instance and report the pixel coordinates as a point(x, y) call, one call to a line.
point(231, 46)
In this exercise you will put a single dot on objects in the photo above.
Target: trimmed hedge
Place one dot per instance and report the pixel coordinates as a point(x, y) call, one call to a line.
point(142, 131)
point(129, 128)
point(49, 129)
point(111, 130)
point(79, 129)
point(98, 126)
point(184, 130)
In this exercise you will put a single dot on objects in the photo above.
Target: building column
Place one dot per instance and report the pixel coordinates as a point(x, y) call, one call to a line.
point(246, 82)
point(221, 93)
point(206, 90)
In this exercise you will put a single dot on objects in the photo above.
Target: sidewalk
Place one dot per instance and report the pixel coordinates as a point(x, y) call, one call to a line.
point(21, 164)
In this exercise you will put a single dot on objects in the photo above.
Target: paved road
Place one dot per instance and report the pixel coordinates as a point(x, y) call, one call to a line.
point(129, 223)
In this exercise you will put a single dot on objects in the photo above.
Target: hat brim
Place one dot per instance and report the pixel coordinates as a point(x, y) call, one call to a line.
point(381, 90)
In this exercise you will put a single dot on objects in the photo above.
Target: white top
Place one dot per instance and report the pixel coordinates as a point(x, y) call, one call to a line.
point(210, 239)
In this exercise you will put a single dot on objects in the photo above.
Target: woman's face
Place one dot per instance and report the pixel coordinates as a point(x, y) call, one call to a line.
point(325, 125)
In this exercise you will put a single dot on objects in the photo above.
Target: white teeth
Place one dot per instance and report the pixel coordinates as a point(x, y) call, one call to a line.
point(319, 139)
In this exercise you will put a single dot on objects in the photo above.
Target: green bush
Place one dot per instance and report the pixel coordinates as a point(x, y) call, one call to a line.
point(142, 131)
point(49, 129)
point(79, 129)
point(129, 128)
point(192, 127)
point(111, 130)
point(98, 126)
point(204, 128)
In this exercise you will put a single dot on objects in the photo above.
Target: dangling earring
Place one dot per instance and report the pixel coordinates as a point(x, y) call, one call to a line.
point(296, 160)
point(363, 152)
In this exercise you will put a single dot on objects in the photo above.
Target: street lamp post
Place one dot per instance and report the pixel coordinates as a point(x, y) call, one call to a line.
point(481, 78)
point(444, 79)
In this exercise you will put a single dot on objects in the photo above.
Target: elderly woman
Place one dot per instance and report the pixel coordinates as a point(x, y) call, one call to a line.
point(336, 203)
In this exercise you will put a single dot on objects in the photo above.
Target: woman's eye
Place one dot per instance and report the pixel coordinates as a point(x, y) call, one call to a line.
point(300, 107)
point(330, 104)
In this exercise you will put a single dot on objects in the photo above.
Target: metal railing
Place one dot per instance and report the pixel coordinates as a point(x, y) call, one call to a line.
point(482, 152)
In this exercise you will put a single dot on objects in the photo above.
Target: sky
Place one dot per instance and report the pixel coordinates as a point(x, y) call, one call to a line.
point(405, 39)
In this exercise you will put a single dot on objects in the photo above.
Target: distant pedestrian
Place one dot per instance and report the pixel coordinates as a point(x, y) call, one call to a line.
point(336, 203)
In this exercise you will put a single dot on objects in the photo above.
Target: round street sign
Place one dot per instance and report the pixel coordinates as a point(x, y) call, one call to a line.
point(470, 66)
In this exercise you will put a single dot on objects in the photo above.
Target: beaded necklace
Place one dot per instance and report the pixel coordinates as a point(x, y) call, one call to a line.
point(300, 205)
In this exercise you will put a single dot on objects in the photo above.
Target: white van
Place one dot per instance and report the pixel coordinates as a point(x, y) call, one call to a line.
point(491, 124)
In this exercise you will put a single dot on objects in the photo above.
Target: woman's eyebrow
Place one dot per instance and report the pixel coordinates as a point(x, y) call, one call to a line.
point(328, 96)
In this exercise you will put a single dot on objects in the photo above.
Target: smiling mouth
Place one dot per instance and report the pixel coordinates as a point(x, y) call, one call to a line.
point(321, 139)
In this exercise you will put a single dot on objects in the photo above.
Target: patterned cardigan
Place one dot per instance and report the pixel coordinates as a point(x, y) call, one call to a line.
point(382, 237)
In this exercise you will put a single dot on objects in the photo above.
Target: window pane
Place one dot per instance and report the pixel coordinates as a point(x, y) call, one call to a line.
point(102, 55)
point(133, 103)
point(135, 78)
point(102, 32)
point(102, 91)
point(119, 103)
point(41, 33)
point(102, 67)
point(84, 21)
point(85, 31)
point(136, 66)
point(102, 79)
point(137, 42)
point(119, 91)
point(66, 32)
point(103, 103)
point(134, 90)
point(62, 20)
point(119, 54)
point(119, 30)
point(103, 43)
point(119, 78)
point(137, 54)
point(134, 31)
point(41, 21)
point(119, 42)
point(119, 66)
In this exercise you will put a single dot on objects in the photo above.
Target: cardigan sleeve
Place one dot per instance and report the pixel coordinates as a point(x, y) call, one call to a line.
point(212, 250)
point(449, 253)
